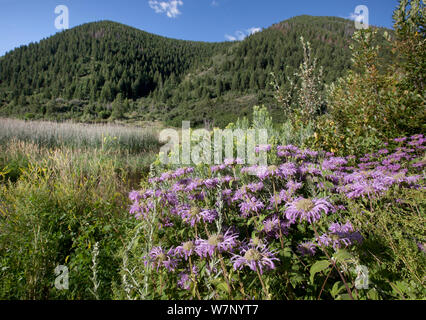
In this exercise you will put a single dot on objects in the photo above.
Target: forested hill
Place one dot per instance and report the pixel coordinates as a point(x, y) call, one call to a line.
point(234, 80)
point(105, 70)
point(97, 61)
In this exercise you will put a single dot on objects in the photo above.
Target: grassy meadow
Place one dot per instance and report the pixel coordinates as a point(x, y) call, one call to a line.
point(63, 187)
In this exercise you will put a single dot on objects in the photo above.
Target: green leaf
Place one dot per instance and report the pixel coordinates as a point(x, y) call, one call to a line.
point(344, 296)
point(286, 252)
point(337, 288)
point(193, 289)
point(318, 267)
point(372, 294)
point(296, 280)
point(341, 255)
point(222, 286)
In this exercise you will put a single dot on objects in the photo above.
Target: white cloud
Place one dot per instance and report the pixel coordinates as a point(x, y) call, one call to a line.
point(215, 3)
point(230, 38)
point(355, 17)
point(241, 35)
point(169, 7)
point(253, 30)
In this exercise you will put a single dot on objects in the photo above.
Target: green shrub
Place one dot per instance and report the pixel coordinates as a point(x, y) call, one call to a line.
point(376, 100)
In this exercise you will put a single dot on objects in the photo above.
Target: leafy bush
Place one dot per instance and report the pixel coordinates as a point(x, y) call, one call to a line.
point(377, 101)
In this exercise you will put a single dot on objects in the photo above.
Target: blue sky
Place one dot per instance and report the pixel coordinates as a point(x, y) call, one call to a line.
point(25, 21)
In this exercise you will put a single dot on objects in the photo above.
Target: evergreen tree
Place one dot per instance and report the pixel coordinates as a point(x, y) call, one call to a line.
point(118, 108)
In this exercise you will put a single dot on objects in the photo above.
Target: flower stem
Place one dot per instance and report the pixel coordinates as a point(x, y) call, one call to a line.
point(276, 208)
point(206, 230)
point(194, 280)
point(196, 231)
point(323, 285)
point(335, 266)
point(225, 273)
point(265, 290)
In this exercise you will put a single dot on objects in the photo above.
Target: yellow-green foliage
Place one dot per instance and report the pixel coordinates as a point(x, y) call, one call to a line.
point(62, 202)
point(368, 106)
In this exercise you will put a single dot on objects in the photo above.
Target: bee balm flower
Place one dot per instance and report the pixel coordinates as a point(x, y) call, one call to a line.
point(307, 209)
point(256, 258)
point(216, 242)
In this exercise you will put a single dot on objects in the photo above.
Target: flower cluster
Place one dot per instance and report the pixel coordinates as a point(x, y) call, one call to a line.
point(244, 215)
point(340, 236)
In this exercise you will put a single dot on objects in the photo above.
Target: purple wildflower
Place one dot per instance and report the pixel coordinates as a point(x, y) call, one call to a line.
point(218, 168)
point(186, 250)
point(274, 227)
point(232, 162)
point(369, 188)
point(278, 198)
point(165, 223)
point(193, 215)
point(417, 143)
point(287, 169)
point(324, 240)
point(254, 187)
point(216, 243)
point(181, 172)
point(239, 194)
point(383, 151)
point(340, 235)
point(209, 215)
point(257, 258)
point(307, 209)
point(226, 195)
point(421, 246)
point(400, 139)
point(136, 209)
point(307, 248)
point(251, 204)
point(184, 281)
point(160, 258)
point(416, 136)
point(293, 186)
point(263, 147)
point(135, 196)
point(227, 179)
point(262, 172)
point(211, 183)
point(309, 168)
point(310, 153)
point(333, 163)
point(192, 185)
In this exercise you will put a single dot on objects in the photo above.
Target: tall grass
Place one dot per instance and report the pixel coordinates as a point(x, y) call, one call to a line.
point(132, 149)
point(133, 140)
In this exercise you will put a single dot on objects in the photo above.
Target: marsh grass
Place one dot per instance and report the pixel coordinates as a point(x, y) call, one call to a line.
point(131, 149)
point(128, 139)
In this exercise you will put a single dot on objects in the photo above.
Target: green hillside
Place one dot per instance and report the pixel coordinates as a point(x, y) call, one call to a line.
point(105, 71)
point(93, 62)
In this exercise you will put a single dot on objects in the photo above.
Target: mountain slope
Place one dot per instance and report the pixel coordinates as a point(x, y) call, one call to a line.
point(234, 80)
point(96, 61)
point(80, 72)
